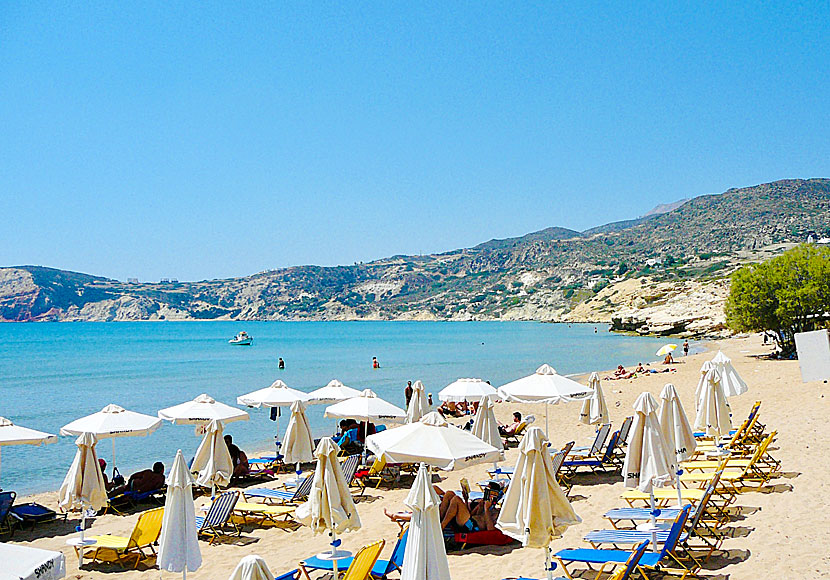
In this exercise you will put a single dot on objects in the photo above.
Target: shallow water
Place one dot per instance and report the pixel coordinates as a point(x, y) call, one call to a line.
point(53, 373)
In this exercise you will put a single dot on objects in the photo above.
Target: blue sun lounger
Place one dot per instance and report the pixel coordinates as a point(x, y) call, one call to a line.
point(630, 565)
point(281, 496)
point(628, 537)
point(381, 569)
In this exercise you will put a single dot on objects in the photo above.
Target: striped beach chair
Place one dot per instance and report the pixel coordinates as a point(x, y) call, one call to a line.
point(281, 496)
point(217, 522)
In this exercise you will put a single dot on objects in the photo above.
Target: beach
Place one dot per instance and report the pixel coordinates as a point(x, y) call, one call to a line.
point(780, 535)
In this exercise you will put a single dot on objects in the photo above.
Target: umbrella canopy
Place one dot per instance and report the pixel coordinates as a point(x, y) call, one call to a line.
point(201, 410)
point(213, 461)
point(251, 568)
point(675, 425)
point(113, 421)
point(731, 382)
point(432, 441)
point(83, 487)
point(277, 395)
point(298, 445)
point(543, 386)
point(666, 349)
point(418, 404)
point(332, 393)
point(485, 426)
point(11, 434)
point(594, 409)
point(425, 557)
point(25, 563)
point(366, 407)
point(467, 390)
point(179, 544)
point(649, 460)
point(535, 510)
point(712, 408)
point(330, 506)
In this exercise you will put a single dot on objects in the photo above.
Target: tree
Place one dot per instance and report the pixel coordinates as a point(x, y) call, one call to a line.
point(785, 295)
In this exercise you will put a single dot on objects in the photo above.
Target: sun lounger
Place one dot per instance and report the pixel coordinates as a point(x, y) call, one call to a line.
point(264, 512)
point(632, 537)
point(217, 522)
point(33, 514)
point(349, 468)
point(666, 495)
point(282, 496)
point(595, 448)
point(361, 565)
point(131, 499)
point(623, 572)
point(378, 473)
point(381, 569)
point(460, 540)
point(120, 549)
point(607, 462)
point(6, 521)
point(735, 479)
point(622, 440)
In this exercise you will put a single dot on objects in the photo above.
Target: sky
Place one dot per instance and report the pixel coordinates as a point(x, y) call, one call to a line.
point(209, 140)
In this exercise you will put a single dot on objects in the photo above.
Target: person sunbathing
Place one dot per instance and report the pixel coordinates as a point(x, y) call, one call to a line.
point(238, 458)
point(510, 429)
point(668, 360)
point(478, 515)
point(143, 481)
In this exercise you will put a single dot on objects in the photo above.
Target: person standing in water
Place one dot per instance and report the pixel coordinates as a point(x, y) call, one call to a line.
point(685, 348)
point(375, 363)
point(407, 392)
point(281, 364)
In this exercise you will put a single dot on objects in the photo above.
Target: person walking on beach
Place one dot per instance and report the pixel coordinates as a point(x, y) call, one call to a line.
point(407, 392)
point(375, 363)
point(281, 364)
point(685, 348)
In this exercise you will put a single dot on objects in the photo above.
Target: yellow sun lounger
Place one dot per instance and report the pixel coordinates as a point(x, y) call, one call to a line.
point(756, 461)
point(119, 549)
point(263, 512)
point(666, 495)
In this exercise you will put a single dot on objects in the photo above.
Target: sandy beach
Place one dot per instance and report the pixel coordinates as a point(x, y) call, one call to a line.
point(783, 537)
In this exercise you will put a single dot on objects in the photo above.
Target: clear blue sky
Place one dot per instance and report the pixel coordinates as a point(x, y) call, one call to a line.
point(207, 140)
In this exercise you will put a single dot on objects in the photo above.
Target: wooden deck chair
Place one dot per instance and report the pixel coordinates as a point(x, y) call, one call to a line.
point(217, 522)
point(120, 549)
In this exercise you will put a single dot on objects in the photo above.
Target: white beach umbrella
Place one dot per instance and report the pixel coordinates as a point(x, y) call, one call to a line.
point(278, 394)
point(298, 445)
point(113, 421)
point(212, 461)
point(179, 543)
point(535, 510)
point(469, 390)
point(676, 430)
point(425, 557)
point(11, 434)
point(432, 441)
point(332, 393)
point(418, 404)
point(202, 410)
point(712, 408)
point(25, 563)
point(649, 461)
point(594, 409)
point(731, 382)
point(701, 382)
point(330, 506)
point(83, 487)
point(367, 406)
point(251, 567)
point(485, 426)
point(544, 386)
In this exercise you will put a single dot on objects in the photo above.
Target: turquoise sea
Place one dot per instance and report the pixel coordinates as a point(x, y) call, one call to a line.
point(53, 373)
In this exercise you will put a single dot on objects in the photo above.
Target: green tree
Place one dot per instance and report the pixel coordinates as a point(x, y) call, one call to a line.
point(785, 295)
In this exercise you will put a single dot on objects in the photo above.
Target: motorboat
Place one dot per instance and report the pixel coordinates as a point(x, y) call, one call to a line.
point(242, 339)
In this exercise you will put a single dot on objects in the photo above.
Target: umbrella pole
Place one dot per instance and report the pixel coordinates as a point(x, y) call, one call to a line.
point(333, 554)
point(113, 455)
point(546, 419)
point(548, 563)
point(653, 521)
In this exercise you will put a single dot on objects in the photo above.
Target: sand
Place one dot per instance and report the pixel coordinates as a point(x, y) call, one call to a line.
point(784, 538)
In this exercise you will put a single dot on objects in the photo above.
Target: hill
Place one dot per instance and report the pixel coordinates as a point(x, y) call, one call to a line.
point(540, 276)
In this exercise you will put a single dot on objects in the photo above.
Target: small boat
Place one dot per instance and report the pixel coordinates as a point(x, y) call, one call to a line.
point(241, 339)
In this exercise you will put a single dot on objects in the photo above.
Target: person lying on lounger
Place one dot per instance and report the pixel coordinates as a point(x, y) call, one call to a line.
point(143, 481)
point(238, 458)
point(510, 429)
point(478, 515)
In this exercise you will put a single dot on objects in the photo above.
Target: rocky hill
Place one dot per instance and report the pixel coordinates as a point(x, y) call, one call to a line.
point(553, 274)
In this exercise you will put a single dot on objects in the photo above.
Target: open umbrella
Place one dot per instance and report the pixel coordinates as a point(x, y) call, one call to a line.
point(330, 506)
point(179, 543)
point(731, 382)
point(83, 487)
point(594, 409)
point(366, 407)
point(649, 460)
point(535, 510)
point(25, 563)
point(712, 408)
point(11, 434)
point(676, 430)
point(418, 404)
point(277, 395)
point(432, 441)
point(212, 461)
point(113, 421)
point(469, 390)
point(298, 445)
point(666, 349)
point(251, 567)
point(202, 410)
point(332, 393)
point(425, 557)
point(544, 386)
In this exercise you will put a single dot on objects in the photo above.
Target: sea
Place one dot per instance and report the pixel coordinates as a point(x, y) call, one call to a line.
point(54, 373)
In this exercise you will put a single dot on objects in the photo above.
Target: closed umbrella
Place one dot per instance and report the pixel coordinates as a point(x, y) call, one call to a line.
point(333, 392)
point(11, 434)
point(212, 462)
point(731, 382)
point(113, 421)
point(649, 460)
point(251, 568)
point(425, 557)
point(330, 506)
point(469, 390)
point(432, 441)
point(202, 410)
point(712, 408)
point(594, 409)
point(83, 487)
point(486, 428)
point(544, 386)
point(676, 430)
point(418, 404)
point(701, 382)
point(535, 510)
point(179, 543)
point(277, 395)
point(298, 445)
